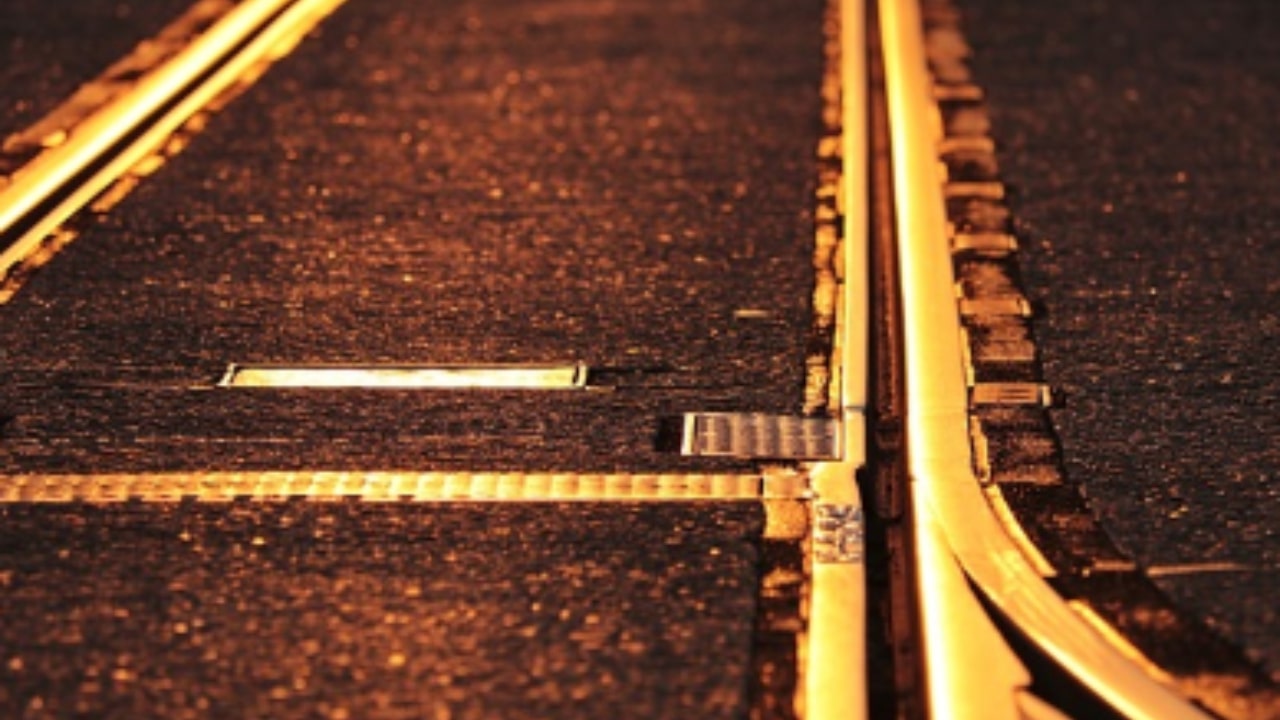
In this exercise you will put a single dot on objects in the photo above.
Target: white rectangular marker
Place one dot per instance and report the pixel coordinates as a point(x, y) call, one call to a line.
point(443, 377)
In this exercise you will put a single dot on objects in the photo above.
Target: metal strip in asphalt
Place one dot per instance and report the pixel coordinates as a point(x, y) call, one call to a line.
point(538, 377)
point(835, 655)
point(393, 486)
point(1157, 571)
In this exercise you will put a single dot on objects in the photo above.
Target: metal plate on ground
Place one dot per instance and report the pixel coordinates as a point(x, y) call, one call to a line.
point(445, 377)
point(758, 435)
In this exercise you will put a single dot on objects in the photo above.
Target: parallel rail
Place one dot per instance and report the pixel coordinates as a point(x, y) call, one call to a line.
point(114, 138)
point(965, 554)
point(837, 662)
point(110, 142)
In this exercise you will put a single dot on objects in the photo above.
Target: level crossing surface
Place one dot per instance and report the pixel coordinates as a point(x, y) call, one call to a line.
point(507, 358)
point(466, 186)
point(483, 185)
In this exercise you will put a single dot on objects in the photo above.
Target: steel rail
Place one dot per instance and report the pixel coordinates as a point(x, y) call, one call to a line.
point(104, 145)
point(961, 542)
point(836, 666)
point(853, 322)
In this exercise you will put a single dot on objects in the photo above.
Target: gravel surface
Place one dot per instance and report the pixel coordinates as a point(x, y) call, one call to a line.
point(1141, 140)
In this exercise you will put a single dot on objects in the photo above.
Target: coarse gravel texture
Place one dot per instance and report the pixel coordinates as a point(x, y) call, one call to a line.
point(473, 182)
point(349, 610)
point(1141, 141)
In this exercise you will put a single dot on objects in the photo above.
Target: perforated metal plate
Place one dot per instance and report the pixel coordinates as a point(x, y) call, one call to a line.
point(757, 435)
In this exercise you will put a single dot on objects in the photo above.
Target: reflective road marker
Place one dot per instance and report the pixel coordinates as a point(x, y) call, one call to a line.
point(451, 377)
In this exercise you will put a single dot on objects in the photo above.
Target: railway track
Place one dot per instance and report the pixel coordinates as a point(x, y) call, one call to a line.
point(928, 602)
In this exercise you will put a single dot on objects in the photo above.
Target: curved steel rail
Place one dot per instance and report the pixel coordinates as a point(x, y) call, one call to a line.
point(957, 529)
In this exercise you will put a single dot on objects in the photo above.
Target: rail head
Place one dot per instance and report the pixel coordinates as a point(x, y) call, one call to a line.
point(114, 137)
point(955, 522)
point(836, 664)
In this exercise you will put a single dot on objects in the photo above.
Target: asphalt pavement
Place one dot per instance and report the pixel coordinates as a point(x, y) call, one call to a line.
point(350, 610)
point(626, 185)
point(1140, 140)
point(474, 184)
